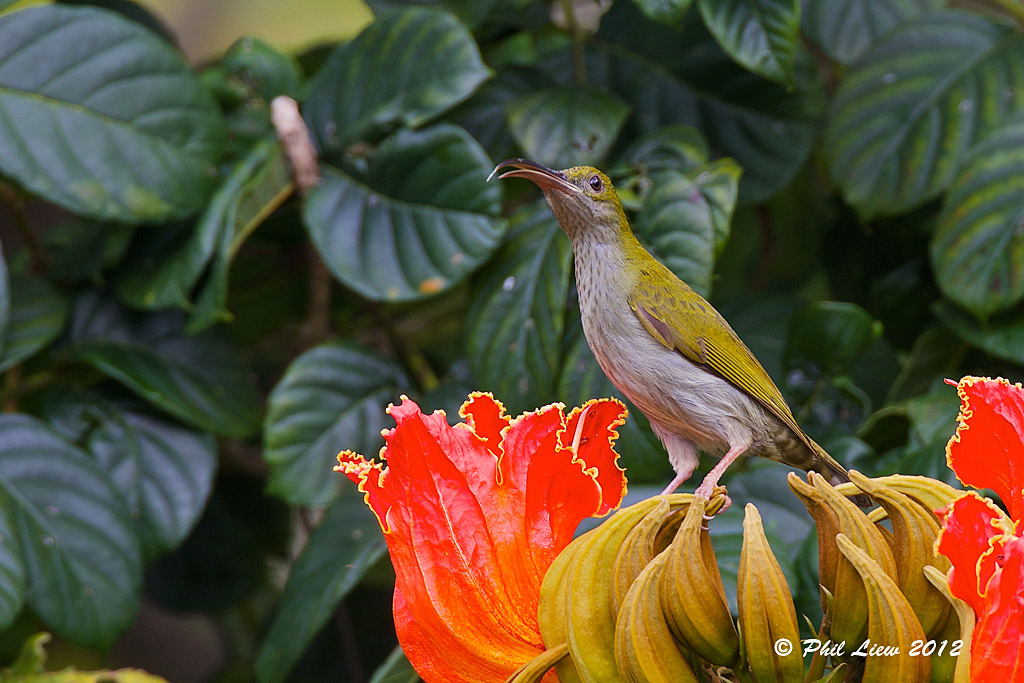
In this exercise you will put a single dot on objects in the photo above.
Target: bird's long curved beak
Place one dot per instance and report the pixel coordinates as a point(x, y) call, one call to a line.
point(544, 177)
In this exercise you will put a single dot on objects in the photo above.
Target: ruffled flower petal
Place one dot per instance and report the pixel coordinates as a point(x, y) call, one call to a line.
point(987, 450)
point(997, 649)
point(473, 516)
point(969, 525)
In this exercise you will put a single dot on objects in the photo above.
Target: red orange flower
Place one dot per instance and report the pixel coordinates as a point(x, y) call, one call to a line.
point(981, 541)
point(473, 516)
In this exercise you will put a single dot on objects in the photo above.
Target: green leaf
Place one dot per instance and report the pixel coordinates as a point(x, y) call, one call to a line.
point(906, 114)
point(1002, 336)
point(770, 131)
point(331, 398)
point(761, 35)
point(102, 117)
point(562, 127)
point(485, 114)
point(344, 546)
point(253, 188)
point(201, 380)
point(829, 335)
point(686, 217)
point(37, 315)
point(431, 62)
point(582, 379)
point(516, 315)
point(12, 571)
point(666, 11)
point(164, 472)
point(673, 148)
point(846, 29)
point(80, 250)
point(420, 223)
point(395, 669)
point(471, 12)
point(264, 69)
point(978, 248)
point(80, 554)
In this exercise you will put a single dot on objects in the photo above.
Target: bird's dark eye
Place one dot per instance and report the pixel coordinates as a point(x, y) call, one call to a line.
point(595, 183)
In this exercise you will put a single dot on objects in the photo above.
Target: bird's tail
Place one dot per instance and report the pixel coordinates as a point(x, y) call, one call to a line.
point(825, 465)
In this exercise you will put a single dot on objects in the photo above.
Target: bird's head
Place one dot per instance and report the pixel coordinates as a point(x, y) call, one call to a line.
point(582, 198)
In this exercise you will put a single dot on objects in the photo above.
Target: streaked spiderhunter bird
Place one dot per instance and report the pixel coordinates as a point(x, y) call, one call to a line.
point(662, 345)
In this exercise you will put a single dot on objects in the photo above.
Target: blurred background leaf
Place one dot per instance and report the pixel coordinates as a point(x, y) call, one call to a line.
point(186, 344)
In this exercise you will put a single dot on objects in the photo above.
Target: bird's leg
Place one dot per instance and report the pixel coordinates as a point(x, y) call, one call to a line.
point(711, 480)
point(681, 453)
point(677, 481)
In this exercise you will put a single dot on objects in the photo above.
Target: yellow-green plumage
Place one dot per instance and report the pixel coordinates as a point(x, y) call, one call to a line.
point(665, 347)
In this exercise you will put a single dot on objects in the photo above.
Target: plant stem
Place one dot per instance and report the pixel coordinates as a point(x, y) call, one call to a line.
point(15, 387)
point(579, 58)
point(16, 205)
point(317, 326)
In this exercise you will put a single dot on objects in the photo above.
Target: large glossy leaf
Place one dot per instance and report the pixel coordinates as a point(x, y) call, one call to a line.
point(485, 114)
point(673, 148)
point(686, 218)
point(12, 571)
point(978, 248)
point(829, 335)
point(171, 281)
point(562, 127)
point(471, 12)
point(769, 130)
point(421, 222)
point(845, 29)
point(101, 116)
point(1003, 336)
point(430, 61)
point(345, 545)
point(516, 315)
point(77, 546)
point(331, 398)
point(37, 315)
point(163, 471)
point(666, 11)
point(761, 35)
point(906, 114)
point(201, 379)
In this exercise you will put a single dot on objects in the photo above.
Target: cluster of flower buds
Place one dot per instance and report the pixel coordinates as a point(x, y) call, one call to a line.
point(640, 598)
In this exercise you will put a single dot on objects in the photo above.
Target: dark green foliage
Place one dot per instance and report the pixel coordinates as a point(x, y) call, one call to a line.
point(186, 348)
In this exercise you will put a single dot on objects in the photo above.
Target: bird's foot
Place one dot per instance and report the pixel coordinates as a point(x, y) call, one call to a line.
point(710, 490)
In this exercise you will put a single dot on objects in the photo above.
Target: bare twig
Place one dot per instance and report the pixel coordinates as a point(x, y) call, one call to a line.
point(294, 137)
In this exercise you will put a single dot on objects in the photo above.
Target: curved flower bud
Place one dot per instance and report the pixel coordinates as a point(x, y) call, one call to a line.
point(766, 611)
point(914, 532)
point(644, 648)
point(474, 515)
point(638, 548)
point(834, 514)
point(891, 622)
point(692, 594)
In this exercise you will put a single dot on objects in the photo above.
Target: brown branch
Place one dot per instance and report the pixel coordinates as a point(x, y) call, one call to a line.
point(9, 196)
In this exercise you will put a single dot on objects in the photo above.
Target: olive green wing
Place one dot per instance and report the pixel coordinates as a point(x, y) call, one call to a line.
point(684, 321)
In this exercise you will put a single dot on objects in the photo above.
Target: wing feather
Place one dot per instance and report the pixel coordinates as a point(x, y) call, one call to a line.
point(710, 342)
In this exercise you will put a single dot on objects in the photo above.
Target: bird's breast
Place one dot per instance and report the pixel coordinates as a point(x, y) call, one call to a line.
point(675, 393)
